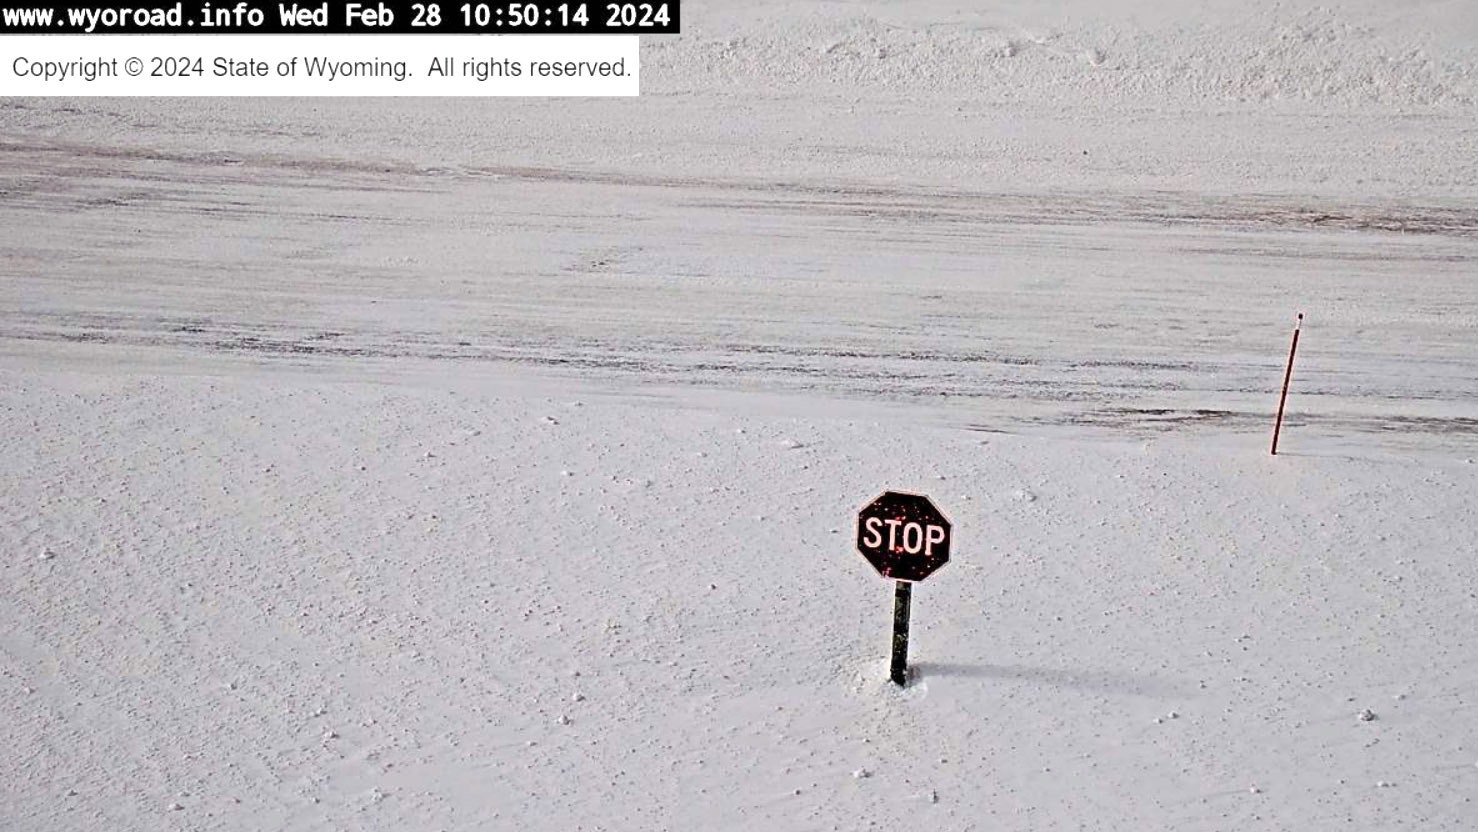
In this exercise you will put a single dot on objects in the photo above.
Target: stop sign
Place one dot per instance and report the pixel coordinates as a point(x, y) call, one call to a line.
point(903, 536)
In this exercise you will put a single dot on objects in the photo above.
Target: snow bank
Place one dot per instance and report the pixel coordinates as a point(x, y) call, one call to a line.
point(1085, 54)
point(1334, 100)
point(282, 603)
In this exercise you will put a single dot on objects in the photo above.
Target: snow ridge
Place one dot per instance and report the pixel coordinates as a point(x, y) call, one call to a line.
point(1314, 54)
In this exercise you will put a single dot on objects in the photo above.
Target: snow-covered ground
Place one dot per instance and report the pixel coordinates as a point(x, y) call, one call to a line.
point(428, 464)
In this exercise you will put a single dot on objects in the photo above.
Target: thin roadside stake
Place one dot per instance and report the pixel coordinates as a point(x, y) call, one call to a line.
point(1287, 375)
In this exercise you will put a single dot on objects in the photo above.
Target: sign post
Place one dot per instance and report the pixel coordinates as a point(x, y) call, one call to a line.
point(905, 538)
point(902, 600)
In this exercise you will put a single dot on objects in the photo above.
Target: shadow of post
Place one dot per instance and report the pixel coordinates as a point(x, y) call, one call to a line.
point(1100, 681)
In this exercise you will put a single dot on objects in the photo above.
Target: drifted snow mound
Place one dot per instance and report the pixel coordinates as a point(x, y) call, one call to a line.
point(1422, 53)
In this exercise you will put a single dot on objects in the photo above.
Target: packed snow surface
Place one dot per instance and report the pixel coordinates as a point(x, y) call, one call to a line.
point(429, 464)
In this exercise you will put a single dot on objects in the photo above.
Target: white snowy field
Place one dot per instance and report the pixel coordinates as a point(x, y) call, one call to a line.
point(280, 601)
point(438, 464)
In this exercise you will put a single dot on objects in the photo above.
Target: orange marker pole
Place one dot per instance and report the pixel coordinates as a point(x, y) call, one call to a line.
point(1282, 399)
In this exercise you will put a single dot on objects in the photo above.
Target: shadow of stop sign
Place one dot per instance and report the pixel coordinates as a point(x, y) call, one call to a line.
point(903, 536)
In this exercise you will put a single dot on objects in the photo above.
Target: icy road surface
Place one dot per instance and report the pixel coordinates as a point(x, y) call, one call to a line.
point(998, 310)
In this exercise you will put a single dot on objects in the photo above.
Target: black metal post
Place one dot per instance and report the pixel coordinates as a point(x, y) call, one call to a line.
point(902, 599)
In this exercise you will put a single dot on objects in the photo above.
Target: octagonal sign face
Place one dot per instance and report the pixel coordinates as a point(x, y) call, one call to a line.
point(903, 536)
